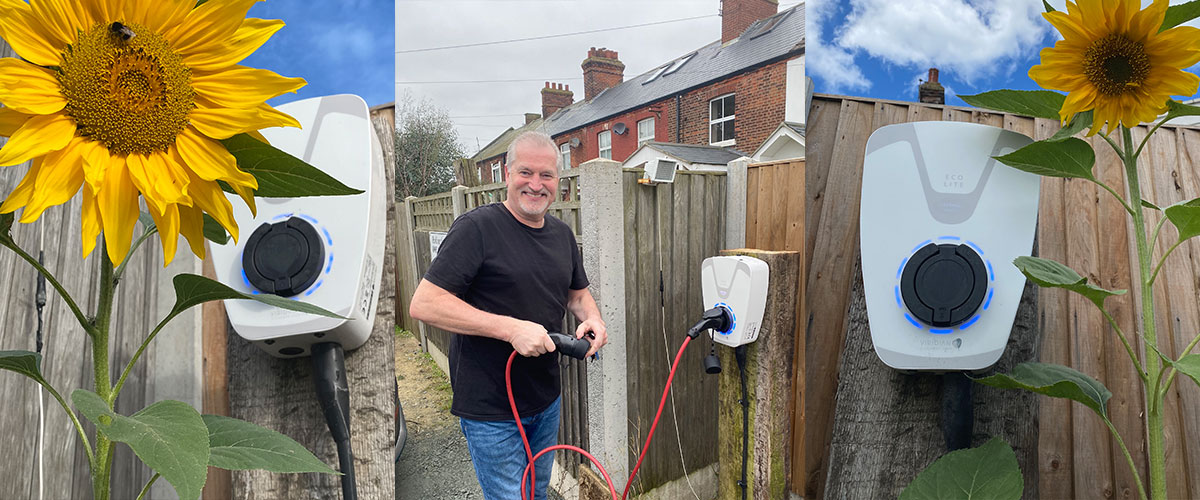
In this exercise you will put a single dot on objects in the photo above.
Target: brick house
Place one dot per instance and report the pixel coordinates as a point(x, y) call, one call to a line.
point(733, 92)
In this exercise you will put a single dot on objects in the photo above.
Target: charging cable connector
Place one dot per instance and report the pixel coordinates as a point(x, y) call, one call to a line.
point(718, 318)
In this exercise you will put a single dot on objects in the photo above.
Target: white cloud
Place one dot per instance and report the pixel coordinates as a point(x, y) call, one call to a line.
point(834, 65)
point(347, 41)
point(971, 39)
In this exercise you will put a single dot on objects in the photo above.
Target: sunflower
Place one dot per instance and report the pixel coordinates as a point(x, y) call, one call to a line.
point(128, 98)
point(1113, 59)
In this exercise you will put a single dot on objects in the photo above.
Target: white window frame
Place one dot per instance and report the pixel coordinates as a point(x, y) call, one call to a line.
point(601, 138)
point(564, 155)
point(643, 138)
point(496, 172)
point(713, 121)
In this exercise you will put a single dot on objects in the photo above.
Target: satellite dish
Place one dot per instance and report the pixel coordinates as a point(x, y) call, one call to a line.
point(620, 128)
point(574, 142)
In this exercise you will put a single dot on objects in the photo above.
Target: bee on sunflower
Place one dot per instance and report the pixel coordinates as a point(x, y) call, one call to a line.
point(131, 98)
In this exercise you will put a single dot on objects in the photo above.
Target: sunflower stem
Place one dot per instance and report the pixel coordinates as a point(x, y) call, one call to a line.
point(1154, 417)
point(102, 468)
point(121, 268)
point(62, 292)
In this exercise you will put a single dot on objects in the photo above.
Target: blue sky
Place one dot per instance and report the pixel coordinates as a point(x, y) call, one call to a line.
point(884, 48)
point(339, 46)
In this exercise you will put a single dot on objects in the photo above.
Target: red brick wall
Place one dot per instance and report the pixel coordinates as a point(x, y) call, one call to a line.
point(623, 145)
point(737, 15)
point(485, 168)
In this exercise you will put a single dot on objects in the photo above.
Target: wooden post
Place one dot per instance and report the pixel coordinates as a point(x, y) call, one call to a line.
point(769, 364)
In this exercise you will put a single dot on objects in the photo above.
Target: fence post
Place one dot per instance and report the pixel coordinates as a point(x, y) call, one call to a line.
point(409, 228)
point(603, 238)
point(735, 203)
point(458, 200)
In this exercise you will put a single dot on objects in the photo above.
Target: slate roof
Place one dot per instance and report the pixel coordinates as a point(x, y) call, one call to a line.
point(797, 127)
point(691, 153)
point(501, 142)
point(776, 36)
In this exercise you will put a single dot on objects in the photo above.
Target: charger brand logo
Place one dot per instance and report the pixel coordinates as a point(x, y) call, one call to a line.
point(368, 292)
point(941, 342)
point(953, 181)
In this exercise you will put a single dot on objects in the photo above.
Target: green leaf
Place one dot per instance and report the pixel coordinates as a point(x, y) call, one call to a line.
point(1048, 7)
point(1177, 109)
point(214, 232)
point(146, 220)
point(987, 472)
point(191, 290)
point(6, 222)
point(1189, 365)
point(1179, 14)
point(1039, 103)
point(1069, 158)
point(1079, 123)
point(1151, 206)
point(281, 175)
point(1186, 218)
point(239, 445)
point(26, 363)
point(1055, 381)
point(1051, 274)
point(169, 436)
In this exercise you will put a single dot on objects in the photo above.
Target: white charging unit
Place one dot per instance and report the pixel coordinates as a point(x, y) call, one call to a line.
point(326, 251)
point(941, 222)
point(738, 284)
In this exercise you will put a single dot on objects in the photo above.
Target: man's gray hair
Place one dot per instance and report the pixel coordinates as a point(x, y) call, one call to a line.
point(533, 138)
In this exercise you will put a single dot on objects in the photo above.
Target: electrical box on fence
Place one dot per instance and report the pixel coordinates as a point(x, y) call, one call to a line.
point(738, 284)
point(941, 222)
point(326, 251)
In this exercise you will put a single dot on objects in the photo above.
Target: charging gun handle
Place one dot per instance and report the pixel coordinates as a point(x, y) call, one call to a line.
point(571, 346)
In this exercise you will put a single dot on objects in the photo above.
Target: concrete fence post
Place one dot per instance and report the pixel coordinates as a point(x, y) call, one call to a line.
point(458, 199)
point(735, 203)
point(603, 237)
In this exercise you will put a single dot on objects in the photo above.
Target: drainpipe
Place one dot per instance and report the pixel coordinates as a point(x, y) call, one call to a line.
point(678, 98)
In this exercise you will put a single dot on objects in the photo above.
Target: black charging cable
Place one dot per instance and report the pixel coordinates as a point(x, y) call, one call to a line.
point(333, 392)
point(40, 298)
point(958, 410)
point(739, 353)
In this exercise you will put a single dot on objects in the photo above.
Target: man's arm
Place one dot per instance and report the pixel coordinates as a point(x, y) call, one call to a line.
point(583, 306)
point(442, 309)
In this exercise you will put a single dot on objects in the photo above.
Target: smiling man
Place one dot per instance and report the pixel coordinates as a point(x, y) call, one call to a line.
point(504, 276)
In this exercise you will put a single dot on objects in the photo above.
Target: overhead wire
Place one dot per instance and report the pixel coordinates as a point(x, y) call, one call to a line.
point(560, 35)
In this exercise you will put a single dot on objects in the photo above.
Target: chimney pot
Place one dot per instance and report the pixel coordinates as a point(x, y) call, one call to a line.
point(554, 98)
point(601, 70)
point(933, 75)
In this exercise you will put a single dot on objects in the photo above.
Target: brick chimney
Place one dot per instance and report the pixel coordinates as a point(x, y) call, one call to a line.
point(531, 117)
point(932, 92)
point(555, 96)
point(601, 70)
point(737, 15)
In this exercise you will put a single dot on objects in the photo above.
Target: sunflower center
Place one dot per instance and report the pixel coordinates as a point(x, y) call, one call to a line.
point(126, 88)
point(1115, 64)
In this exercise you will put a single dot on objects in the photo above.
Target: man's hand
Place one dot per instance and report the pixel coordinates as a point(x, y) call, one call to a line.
point(598, 337)
point(530, 339)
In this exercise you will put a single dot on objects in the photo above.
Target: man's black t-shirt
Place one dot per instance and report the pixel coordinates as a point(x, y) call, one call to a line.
point(495, 263)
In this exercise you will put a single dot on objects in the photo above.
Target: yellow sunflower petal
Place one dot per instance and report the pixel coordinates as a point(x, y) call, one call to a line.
point(95, 163)
point(1145, 23)
point(59, 20)
point(21, 195)
point(106, 11)
point(118, 203)
point(240, 87)
point(191, 226)
point(20, 29)
point(57, 181)
point(210, 160)
point(208, 25)
point(89, 221)
point(1066, 24)
point(161, 15)
point(223, 123)
point(28, 88)
point(1169, 82)
point(11, 120)
point(1177, 47)
point(38, 136)
point(168, 231)
point(208, 196)
point(247, 39)
point(1076, 102)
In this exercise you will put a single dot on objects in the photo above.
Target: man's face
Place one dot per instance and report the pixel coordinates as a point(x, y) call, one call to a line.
point(532, 181)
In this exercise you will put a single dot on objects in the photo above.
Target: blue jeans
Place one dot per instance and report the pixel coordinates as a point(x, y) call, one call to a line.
point(499, 456)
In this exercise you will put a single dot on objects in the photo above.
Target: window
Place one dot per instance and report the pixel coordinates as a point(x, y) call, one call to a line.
point(605, 140)
point(564, 155)
point(645, 131)
point(679, 62)
point(720, 121)
point(496, 173)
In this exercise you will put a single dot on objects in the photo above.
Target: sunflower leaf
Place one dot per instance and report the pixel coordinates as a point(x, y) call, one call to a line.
point(1069, 158)
point(6, 222)
point(989, 471)
point(26, 363)
point(239, 445)
point(1185, 217)
point(1189, 365)
point(1038, 103)
point(1177, 109)
point(281, 175)
point(1079, 122)
point(1047, 273)
point(214, 232)
point(146, 220)
point(192, 290)
point(1179, 14)
point(1044, 2)
point(1151, 206)
point(1056, 381)
point(168, 436)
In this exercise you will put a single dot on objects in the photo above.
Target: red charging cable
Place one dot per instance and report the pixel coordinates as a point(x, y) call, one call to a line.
point(532, 474)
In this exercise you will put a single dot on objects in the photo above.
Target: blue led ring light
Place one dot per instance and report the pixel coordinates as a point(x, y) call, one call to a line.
point(732, 318)
point(968, 323)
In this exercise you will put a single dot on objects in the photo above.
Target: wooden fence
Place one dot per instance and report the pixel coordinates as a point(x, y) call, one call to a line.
point(1070, 454)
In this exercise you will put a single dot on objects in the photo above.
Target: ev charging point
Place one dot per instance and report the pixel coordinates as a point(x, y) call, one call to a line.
point(327, 251)
point(737, 284)
point(941, 222)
